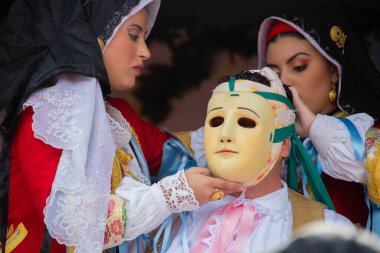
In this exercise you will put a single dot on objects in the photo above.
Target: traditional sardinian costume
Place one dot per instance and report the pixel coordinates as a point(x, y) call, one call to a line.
point(62, 140)
point(238, 224)
point(351, 147)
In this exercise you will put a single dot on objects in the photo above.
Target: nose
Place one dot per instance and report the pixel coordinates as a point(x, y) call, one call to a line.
point(227, 133)
point(144, 51)
point(285, 78)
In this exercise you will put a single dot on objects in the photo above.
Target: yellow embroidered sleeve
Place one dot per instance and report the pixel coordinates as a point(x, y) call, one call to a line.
point(373, 164)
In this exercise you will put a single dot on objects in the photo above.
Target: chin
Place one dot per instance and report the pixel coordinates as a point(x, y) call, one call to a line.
point(126, 85)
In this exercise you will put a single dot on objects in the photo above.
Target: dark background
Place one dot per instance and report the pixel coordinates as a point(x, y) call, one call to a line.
point(194, 32)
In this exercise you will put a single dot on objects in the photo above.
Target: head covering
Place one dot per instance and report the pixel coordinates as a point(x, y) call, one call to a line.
point(277, 28)
point(41, 40)
point(359, 82)
point(284, 128)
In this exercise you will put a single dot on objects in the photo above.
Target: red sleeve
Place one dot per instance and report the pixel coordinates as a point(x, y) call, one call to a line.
point(150, 136)
point(38, 161)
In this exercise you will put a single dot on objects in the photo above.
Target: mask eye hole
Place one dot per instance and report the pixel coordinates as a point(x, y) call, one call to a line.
point(246, 123)
point(217, 121)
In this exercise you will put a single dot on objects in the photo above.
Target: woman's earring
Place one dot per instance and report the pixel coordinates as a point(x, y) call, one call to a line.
point(101, 44)
point(332, 93)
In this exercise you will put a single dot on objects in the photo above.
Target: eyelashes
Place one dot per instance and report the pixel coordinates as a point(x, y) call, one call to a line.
point(133, 37)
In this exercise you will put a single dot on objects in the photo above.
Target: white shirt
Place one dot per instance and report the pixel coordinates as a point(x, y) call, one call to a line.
point(274, 228)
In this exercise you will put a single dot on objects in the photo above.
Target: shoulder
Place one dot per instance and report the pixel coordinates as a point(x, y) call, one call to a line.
point(331, 216)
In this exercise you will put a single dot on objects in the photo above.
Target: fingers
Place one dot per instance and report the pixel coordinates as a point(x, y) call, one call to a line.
point(296, 98)
point(226, 186)
point(200, 170)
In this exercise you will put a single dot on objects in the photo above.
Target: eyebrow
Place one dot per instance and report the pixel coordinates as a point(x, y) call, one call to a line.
point(216, 108)
point(295, 56)
point(249, 110)
point(289, 60)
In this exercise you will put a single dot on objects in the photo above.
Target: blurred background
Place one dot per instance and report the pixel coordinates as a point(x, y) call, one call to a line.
point(194, 43)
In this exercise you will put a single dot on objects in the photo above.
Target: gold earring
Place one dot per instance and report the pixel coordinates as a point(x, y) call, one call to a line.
point(101, 44)
point(332, 93)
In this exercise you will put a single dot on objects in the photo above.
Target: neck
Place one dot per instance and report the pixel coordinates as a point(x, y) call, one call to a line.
point(329, 109)
point(265, 187)
point(271, 183)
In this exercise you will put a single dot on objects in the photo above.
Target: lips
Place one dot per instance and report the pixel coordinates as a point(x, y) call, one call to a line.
point(138, 68)
point(226, 151)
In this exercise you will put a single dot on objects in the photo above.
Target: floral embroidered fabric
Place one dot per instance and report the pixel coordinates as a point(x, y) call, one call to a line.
point(71, 116)
point(116, 222)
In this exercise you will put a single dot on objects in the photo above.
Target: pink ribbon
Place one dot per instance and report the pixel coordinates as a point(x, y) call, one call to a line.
point(239, 222)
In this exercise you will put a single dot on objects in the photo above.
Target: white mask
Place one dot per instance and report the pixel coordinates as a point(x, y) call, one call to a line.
point(240, 129)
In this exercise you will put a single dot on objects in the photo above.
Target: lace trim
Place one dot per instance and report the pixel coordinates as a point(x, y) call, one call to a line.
point(178, 195)
point(119, 126)
point(214, 231)
point(122, 133)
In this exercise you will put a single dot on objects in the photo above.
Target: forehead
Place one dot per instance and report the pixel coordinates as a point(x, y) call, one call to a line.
point(232, 100)
point(289, 46)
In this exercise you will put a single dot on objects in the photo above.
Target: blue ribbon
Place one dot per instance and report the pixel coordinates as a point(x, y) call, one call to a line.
point(140, 157)
point(185, 244)
point(165, 243)
point(143, 237)
point(359, 147)
point(375, 218)
point(312, 151)
point(123, 247)
point(175, 158)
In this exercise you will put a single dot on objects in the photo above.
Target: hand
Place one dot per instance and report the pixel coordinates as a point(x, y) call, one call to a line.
point(305, 117)
point(203, 185)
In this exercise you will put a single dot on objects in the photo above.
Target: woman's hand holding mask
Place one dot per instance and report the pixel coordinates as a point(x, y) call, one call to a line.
point(204, 185)
point(305, 117)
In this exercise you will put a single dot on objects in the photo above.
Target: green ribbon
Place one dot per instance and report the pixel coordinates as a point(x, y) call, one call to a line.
point(231, 83)
point(298, 155)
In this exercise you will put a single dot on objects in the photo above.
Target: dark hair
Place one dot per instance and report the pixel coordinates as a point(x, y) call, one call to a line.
point(256, 77)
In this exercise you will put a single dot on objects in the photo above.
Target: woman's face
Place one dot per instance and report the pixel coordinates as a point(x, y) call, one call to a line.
point(301, 66)
point(125, 54)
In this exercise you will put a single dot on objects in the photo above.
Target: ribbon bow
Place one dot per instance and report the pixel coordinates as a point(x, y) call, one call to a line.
point(238, 223)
